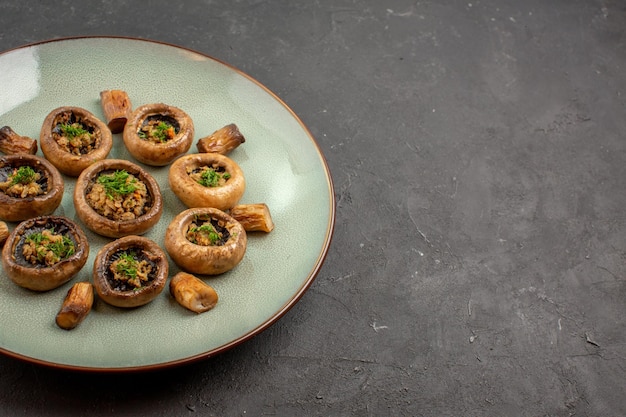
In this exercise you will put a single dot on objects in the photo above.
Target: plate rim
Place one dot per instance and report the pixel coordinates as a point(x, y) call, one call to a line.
point(282, 310)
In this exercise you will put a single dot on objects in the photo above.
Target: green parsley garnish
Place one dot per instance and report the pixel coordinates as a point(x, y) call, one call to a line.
point(162, 132)
point(23, 175)
point(209, 230)
point(211, 178)
point(72, 130)
point(127, 265)
point(37, 238)
point(117, 183)
point(61, 249)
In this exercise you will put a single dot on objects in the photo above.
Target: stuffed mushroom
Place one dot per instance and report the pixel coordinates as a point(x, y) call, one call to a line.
point(30, 186)
point(116, 198)
point(45, 252)
point(205, 241)
point(156, 134)
point(130, 271)
point(207, 180)
point(73, 138)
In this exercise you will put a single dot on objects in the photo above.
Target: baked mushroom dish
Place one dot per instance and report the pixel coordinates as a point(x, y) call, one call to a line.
point(205, 241)
point(207, 180)
point(116, 198)
point(30, 186)
point(130, 271)
point(44, 252)
point(72, 138)
point(156, 134)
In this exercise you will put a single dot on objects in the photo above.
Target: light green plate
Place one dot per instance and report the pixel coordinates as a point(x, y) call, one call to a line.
point(283, 167)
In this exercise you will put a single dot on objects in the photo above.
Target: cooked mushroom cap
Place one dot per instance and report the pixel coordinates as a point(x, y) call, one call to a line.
point(117, 228)
point(205, 260)
point(102, 277)
point(37, 277)
point(158, 154)
point(15, 208)
point(193, 194)
point(69, 163)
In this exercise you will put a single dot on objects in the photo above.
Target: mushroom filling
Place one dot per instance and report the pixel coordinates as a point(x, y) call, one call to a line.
point(130, 269)
point(158, 128)
point(22, 182)
point(118, 195)
point(208, 232)
point(45, 246)
point(75, 135)
point(209, 176)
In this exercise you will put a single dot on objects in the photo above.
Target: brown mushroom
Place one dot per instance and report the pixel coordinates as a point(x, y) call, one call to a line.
point(116, 198)
point(72, 138)
point(130, 271)
point(156, 134)
point(207, 180)
point(45, 252)
point(205, 241)
point(30, 186)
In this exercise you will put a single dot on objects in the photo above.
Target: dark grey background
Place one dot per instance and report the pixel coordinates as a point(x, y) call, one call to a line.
point(479, 160)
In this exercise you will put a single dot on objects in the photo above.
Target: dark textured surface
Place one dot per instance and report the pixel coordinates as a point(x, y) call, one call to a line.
point(479, 156)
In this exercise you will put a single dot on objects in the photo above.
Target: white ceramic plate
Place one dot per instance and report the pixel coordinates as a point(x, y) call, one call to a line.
point(283, 167)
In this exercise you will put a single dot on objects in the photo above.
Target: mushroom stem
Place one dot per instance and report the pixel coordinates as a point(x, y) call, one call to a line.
point(116, 107)
point(253, 217)
point(76, 306)
point(192, 293)
point(222, 140)
point(12, 143)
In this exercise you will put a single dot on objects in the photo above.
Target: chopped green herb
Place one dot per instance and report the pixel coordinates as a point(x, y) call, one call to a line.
point(117, 183)
point(37, 238)
point(211, 178)
point(127, 265)
point(72, 130)
point(209, 230)
point(23, 175)
point(45, 242)
point(161, 131)
point(63, 248)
